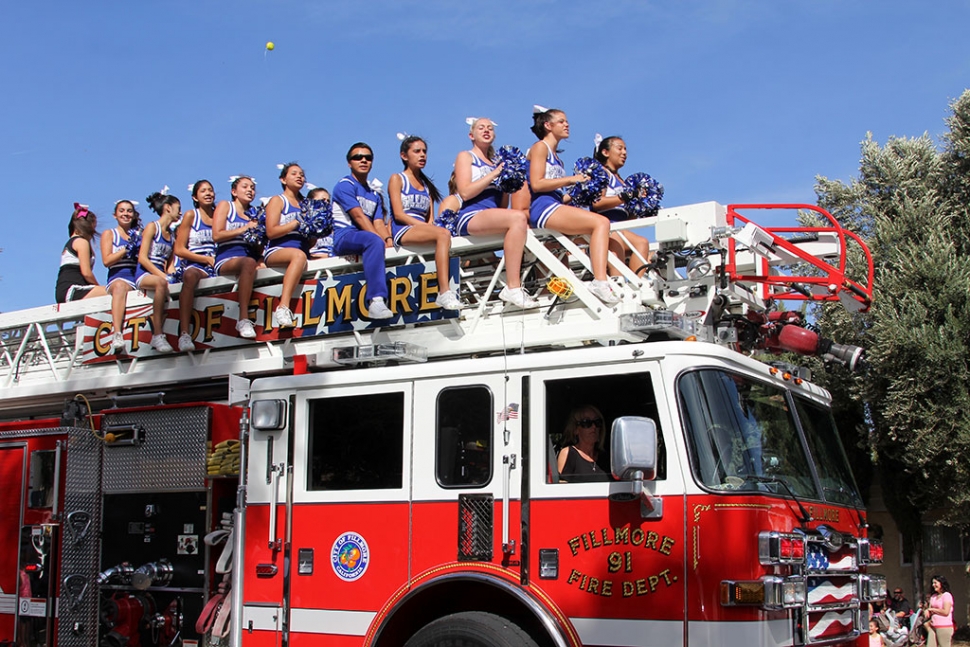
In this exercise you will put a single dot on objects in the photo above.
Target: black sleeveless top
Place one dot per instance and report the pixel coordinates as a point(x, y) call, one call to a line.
point(579, 470)
point(69, 273)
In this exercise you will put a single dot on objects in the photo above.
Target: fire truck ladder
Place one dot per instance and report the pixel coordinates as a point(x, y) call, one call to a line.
point(41, 349)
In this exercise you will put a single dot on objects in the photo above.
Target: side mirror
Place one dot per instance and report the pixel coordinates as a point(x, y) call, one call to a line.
point(633, 460)
point(633, 448)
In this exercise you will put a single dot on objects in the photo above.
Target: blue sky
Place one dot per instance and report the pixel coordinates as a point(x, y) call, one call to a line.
point(733, 101)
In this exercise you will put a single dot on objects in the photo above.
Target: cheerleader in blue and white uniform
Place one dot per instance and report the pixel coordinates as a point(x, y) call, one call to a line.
point(154, 259)
point(286, 246)
point(121, 267)
point(633, 248)
point(412, 195)
point(194, 245)
point(322, 247)
point(234, 256)
point(547, 179)
point(484, 208)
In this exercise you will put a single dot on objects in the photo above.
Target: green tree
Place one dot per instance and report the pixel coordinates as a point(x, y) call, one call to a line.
point(911, 203)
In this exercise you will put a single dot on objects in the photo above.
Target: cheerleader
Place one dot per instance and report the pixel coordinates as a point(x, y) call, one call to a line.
point(75, 278)
point(121, 267)
point(323, 246)
point(154, 259)
point(285, 246)
point(484, 208)
point(635, 250)
point(194, 245)
point(357, 214)
point(547, 179)
point(412, 195)
point(234, 256)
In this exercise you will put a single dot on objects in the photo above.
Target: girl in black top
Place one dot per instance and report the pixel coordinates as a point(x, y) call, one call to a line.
point(75, 278)
point(585, 435)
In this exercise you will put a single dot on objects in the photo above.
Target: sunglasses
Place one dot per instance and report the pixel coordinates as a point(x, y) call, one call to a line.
point(362, 156)
point(585, 423)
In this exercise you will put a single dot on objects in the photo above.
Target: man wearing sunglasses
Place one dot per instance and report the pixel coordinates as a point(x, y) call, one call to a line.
point(900, 605)
point(355, 206)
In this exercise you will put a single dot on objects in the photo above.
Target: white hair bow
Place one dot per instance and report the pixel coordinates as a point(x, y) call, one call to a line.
point(233, 178)
point(536, 109)
point(471, 121)
point(597, 140)
point(265, 200)
point(402, 136)
point(309, 186)
point(134, 203)
point(190, 187)
point(280, 166)
point(164, 190)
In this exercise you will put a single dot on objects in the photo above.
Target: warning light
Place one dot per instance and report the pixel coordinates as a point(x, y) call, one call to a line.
point(561, 287)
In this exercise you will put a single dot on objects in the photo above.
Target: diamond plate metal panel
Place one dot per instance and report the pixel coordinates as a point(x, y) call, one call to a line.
point(32, 433)
point(173, 456)
point(78, 603)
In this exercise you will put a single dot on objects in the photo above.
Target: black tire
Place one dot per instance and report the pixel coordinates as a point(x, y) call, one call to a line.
point(471, 629)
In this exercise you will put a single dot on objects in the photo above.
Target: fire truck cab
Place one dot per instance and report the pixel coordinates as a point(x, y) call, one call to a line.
point(349, 482)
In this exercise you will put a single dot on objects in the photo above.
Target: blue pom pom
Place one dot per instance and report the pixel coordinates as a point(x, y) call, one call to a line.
point(584, 194)
point(316, 218)
point(133, 246)
point(512, 176)
point(642, 195)
point(179, 274)
point(449, 220)
point(256, 236)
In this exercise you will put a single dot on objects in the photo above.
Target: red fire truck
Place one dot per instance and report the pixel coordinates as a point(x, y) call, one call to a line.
point(357, 482)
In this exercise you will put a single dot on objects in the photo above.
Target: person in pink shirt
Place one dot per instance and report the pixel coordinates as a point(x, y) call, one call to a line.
point(940, 613)
point(875, 638)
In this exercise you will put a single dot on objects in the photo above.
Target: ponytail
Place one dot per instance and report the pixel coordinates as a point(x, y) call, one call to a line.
point(539, 121)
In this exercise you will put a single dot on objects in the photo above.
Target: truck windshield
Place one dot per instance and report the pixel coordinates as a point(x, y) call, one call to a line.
point(838, 485)
point(743, 436)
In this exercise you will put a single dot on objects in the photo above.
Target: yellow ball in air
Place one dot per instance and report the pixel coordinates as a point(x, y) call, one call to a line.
point(270, 45)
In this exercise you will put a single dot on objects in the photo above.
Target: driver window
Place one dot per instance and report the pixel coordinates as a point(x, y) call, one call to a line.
point(579, 417)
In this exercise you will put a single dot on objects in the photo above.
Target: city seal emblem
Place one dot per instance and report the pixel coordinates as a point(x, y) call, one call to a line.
point(349, 556)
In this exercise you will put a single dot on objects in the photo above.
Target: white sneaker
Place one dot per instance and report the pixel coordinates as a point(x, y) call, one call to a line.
point(161, 344)
point(185, 343)
point(448, 300)
point(283, 317)
point(517, 297)
point(377, 309)
point(117, 342)
point(245, 329)
point(603, 290)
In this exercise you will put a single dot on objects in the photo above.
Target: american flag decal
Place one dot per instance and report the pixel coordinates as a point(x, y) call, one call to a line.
point(826, 626)
point(511, 412)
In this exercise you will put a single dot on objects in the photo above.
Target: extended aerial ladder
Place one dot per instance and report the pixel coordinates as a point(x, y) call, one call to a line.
point(713, 268)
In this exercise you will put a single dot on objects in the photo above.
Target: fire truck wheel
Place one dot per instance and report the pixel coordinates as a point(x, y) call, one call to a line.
point(471, 629)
